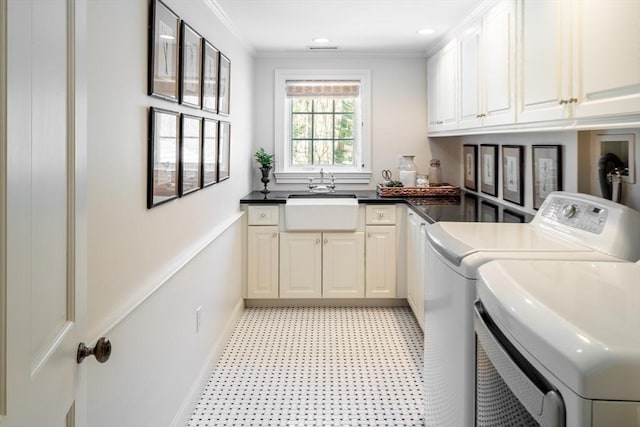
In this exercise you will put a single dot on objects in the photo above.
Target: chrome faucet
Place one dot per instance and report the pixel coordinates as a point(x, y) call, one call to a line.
point(322, 187)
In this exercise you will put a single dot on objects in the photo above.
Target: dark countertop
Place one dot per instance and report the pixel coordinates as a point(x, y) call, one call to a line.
point(466, 208)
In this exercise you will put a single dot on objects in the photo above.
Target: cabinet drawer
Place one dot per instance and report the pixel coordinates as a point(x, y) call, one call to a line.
point(263, 215)
point(381, 214)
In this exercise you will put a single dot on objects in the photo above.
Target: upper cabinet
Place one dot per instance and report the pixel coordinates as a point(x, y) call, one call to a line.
point(487, 68)
point(442, 86)
point(575, 64)
point(606, 59)
point(578, 67)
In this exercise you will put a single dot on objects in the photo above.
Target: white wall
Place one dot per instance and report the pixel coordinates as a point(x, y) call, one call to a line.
point(449, 151)
point(147, 269)
point(398, 108)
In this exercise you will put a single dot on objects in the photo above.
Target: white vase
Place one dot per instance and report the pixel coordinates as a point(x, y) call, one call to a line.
point(408, 171)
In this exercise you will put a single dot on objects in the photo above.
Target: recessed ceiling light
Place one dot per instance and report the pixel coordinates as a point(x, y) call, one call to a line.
point(425, 31)
point(321, 40)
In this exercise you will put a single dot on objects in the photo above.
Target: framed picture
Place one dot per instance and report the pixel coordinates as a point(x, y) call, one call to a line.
point(488, 212)
point(224, 86)
point(190, 154)
point(209, 152)
point(511, 216)
point(210, 65)
point(470, 159)
point(224, 150)
point(489, 169)
point(190, 67)
point(513, 173)
point(163, 52)
point(547, 171)
point(162, 173)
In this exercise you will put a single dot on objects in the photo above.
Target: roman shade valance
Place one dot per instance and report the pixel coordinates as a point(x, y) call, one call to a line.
point(322, 88)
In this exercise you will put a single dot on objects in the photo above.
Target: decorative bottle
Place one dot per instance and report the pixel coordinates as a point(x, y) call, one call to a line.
point(408, 171)
point(435, 173)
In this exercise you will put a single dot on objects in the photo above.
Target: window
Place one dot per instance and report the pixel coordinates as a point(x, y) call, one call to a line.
point(322, 123)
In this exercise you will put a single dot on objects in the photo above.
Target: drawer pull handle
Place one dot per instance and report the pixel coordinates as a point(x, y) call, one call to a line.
point(263, 215)
point(275, 234)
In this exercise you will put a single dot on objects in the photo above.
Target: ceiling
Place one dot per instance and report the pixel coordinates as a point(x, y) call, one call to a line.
point(363, 26)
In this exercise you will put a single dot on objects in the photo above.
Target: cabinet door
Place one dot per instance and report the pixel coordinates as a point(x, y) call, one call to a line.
point(545, 54)
point(412, 258)
point(300, 265)
point(380, 249)
point(343, 265)
point(262, 255)
point(606, 58)
point(498, 35)
point(442, 88)
point(470, 76)
point(421, 273)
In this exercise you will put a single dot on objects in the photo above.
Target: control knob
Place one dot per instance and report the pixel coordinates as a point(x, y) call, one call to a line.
point(569, 211)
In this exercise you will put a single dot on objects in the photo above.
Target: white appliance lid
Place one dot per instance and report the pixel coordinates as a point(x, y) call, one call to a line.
point(456, 240)
point(581, 320)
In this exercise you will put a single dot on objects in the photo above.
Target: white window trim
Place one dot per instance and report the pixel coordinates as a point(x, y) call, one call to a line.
point(284, 173)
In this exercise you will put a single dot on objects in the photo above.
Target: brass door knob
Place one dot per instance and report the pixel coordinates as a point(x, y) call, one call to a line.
point(102, 351)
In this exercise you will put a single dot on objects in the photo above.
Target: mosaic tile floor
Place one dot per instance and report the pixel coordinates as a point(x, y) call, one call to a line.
point(317, 366)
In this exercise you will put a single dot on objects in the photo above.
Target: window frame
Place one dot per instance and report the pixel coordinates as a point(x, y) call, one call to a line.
point(284, 172)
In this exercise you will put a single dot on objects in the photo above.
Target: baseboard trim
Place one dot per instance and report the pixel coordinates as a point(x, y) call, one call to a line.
point(195, 391)
point(328, 302)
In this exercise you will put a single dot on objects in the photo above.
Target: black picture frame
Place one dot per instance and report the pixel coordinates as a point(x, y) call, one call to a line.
point(488, 212)
point(224, 86)
point(470, 166)
point(163, 156)
point(190, 154)
point(224, 151)
point(209, 152)
point(164, 42)
point(513, 174)
point(489, 169)
point(546, 164)
point(210, 69)
point(190, 67)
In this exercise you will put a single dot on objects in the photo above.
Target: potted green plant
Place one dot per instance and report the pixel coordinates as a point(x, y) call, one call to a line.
point(266, 162)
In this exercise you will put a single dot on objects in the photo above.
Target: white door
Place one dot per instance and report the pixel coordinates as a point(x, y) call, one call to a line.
point(262, 250)
point(380, 261)
point(43, 213)
point(343, 265)
point(300, 265)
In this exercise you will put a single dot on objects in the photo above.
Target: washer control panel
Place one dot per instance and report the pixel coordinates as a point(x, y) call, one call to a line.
point(576, 213)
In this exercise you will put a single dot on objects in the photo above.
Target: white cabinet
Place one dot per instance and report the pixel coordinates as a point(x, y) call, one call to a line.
point(416, 257)
point(606, 52)
point(442, 88)
point(381, 261)
point(584, 64)
point(380, 249)
point(343, 265)
point(487, 68)
point(262, 251)
point(317, 265)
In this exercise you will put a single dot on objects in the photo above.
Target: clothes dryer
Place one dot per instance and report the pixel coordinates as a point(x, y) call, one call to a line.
point(568, 226)
point(558, 344)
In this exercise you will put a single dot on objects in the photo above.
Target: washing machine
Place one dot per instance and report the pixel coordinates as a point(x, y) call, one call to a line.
point(558, 344)
point(568, 226)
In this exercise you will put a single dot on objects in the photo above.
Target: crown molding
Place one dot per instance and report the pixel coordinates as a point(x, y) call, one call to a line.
point(229, 25)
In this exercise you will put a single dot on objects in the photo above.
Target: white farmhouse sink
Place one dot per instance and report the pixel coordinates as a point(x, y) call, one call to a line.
point(321, 214)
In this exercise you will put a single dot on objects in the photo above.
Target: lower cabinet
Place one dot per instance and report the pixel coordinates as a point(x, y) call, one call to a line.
point(262, 269)
point(381, 261)
point(416, 256)
point(322, 265)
